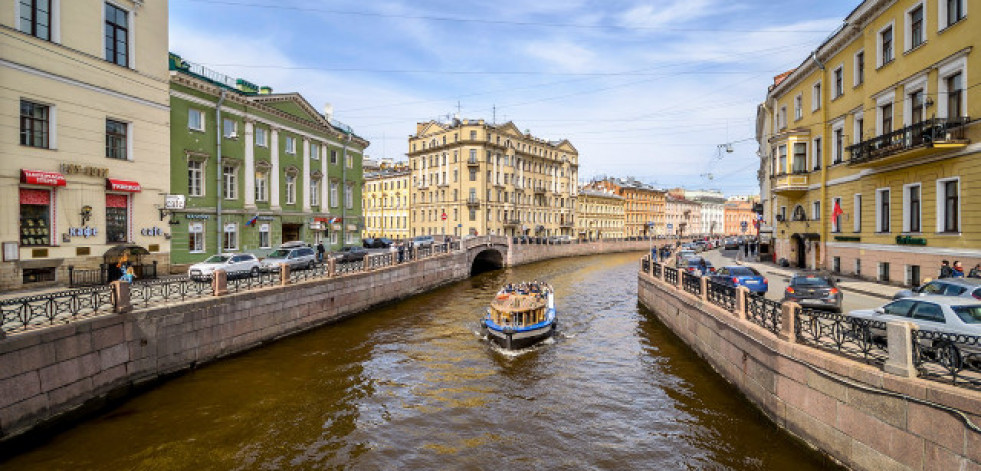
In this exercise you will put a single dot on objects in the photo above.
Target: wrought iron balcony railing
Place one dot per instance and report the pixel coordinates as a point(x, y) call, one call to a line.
point(933, 132)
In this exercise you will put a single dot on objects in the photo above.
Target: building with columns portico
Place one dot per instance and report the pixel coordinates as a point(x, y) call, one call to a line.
point(257, 168)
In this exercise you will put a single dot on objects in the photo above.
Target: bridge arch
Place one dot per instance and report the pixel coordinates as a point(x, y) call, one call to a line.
point(483, 259)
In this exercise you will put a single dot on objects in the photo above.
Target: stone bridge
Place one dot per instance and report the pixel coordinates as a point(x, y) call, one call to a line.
point(491, 252)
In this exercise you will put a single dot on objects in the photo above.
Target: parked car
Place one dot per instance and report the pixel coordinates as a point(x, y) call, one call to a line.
point(423, 241)
point(349, 254)
point(693, 265)
point(564, 239)
point(703, 245)
point(964, 287)
point(731, 244)
point(814, 290)
point(297, 258)
point(742, 276)
point(235, 264)
point(377, 243)
point(948, 314)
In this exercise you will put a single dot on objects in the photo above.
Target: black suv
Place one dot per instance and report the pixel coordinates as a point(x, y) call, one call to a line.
point(814, 290)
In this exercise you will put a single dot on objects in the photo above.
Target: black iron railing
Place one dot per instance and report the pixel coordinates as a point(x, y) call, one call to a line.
point(763, 312)
point(54, 308)
point(671, 275)
point(721, 295)
point(145, 293)
point(691, 283)
point(247, 281)
point(345, 268)
point(944, 356)
point(924, 133)
point(645, 265)
point(860, 339)
point(657, 269)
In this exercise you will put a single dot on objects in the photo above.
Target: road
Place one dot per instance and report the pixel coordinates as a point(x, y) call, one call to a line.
point(779, 282)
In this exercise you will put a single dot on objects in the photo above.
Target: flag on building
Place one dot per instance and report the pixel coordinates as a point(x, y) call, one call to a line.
point(835, 213)
point(251, 222)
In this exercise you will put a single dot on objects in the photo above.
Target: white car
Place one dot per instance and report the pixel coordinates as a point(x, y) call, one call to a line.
point(423, 241)
point(298, 258)
point(235, 264)
point(944, 314)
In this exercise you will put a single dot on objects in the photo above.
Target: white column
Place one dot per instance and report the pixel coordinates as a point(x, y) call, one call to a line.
point(274, 172)
point(306, 175)
point(324, 181)
point(249, 165)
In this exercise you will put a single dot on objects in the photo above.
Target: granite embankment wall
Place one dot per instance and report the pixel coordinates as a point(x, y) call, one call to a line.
point(856, 413)
point(521, 253)
point(48, 373)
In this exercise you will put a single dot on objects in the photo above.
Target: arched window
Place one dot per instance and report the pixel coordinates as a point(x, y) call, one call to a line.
point(799, 214)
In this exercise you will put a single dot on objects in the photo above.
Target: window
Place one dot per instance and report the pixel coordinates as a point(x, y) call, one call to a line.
point(229, 128)
point(839, 146)
point(858, 267)
point(911, 208)
point(885, 111)
point(782, 118)
point(349, 161)
point(117, 220)
point(230, 182)
point(835, 218)
point(816, 211)
point(859, 68)
point(264, 236)
point(885, 45)
point(315, 192)
point(836, 264)
point(34, 124)
point(913, 275)
point(230, 240)
point(916, 103)
point(859, 127)
point(35, 217)
point(35, 18)
point(117, 35)
point(290, 189)
point(839, 78)
point(314, 151)
point(798, 107)
point(782, 160)
point(783, 213)
point(799, 164)
point(949, 208)
point(195, 178)
point(951, 11)
point(195, 120)
point(195, 237)
point(818, 157)
point(884, 271)
point(955, 90)
point(882, 210)
point(473, 135)
point(260, 137)
point(116, 141)
point(290, 145)
point(816, 97)
point(261, 185)
point(334, 199)
point(915, 27)
point(857, 214)
point(333, 157)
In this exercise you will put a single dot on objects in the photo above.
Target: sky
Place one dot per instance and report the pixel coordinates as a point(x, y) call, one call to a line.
point(643, 89)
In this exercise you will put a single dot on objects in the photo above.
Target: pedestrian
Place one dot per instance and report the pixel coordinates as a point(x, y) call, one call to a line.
point(320, 251)
point(401, 252)
point(702, 266)
point(945, 270)
point(975, 272)
point(958, 271)
point(746, 250)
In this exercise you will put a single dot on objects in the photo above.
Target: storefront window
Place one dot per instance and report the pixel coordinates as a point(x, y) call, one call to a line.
point(230, 242)
point(117, 221)
point(264, 236)
point(195, 237)
point(35, 217)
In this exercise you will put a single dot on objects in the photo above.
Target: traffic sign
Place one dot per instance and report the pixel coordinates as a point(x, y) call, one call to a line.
point(443, 217)
point(744, 225)
point(670, 226)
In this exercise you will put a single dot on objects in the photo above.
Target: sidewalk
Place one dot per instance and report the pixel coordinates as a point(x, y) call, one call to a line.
point(868, 288)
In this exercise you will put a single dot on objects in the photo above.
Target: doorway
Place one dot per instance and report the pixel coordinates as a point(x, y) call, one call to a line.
point(291, 232)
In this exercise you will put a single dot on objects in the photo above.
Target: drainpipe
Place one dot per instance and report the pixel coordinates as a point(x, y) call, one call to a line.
point(218, 173)
point(825, 92)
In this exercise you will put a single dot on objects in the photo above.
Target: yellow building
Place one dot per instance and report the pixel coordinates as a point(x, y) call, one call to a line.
point(876, 123)
point(600, 214)
point(644, 205)
point(473, 177)
point(386, 203)
point(86, 159)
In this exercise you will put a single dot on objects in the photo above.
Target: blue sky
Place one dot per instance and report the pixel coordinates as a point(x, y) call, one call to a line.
point(647, 89)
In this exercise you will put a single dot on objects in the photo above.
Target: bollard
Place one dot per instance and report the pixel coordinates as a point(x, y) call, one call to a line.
point(284, 274)
point(121, 290)
point(788, 330)
point(704, 281)
point(331, 267)
point(900, 341)
point(741, 293)
point(219, 282)
point(366, 263)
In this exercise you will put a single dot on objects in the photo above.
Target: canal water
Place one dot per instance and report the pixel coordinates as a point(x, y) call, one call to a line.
point(413, 386)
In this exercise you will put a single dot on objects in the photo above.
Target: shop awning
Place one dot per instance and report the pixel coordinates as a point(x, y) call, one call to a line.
point(123, 185)
point(34, 177)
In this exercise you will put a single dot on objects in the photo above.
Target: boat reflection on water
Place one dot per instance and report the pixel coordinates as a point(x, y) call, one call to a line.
point(521, 315)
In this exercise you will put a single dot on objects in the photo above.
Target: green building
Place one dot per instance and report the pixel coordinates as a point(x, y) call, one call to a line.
point(280, 171)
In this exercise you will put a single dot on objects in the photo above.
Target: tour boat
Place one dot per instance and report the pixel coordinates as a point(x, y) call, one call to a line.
point(521, 315)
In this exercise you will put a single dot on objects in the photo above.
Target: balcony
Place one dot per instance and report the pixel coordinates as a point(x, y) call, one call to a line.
point(473, 202)
point(540, 190)
point(512, 222)
point(923, 139)
point(473, 162)
point(567, 223)
point(790, 185)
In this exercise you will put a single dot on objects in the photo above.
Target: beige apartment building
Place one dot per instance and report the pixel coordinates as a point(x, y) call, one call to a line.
point(474, 177)
point(644, 205)
point(600, 214)
point(386, 203)
point(85, 85)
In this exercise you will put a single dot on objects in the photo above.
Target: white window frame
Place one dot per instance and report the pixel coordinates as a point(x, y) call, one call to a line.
point(857, 213)
point(315, 151)
point(290, 144)
point(200, 236)
point(908, 25)
point(129, 133)
point(782, 118)
point(945, 71)
point(879, 217)
point(200, 114)
point(941, 202)
point(314, 192)
point(816, 210)
point(835, 227)
point(919, 84)
point(837, 126)
point(225, 177)
point(265, 238)
point(349, 196)
point(885, 99)
point(226, 247)
point(130, 36)
point(350, 160)
point(942, 19)
point(799, 107)
point(817, 153)
point(879, 60)
point(834, 82)
point(202, 172)
point(262, 185)
point(907, 220)
point(226, 132)
point(857, 132)
point(817, 89)
point(334, 199)
point(290, 188)
point(261, 137)
point(858, 75)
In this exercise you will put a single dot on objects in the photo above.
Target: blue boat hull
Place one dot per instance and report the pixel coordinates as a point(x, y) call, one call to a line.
point(517, 338)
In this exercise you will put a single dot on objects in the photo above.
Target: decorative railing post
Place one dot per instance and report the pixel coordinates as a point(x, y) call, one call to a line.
point(703, 280)
point(121, 303)
point(741, 293)
point(331, 267)
point(788, 324)
point(651, 266)
point(900, 338)
point(219, 280)
point(366, 262)
point(284, 274)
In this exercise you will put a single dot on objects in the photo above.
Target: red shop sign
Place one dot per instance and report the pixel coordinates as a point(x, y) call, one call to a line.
point(34, 177)
point(123, 185)
point(29, 196)
point(116, 201)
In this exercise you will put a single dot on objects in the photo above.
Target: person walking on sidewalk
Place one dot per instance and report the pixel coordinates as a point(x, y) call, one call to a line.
point(945, 270)
point(958, 271)
point(975, 272)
